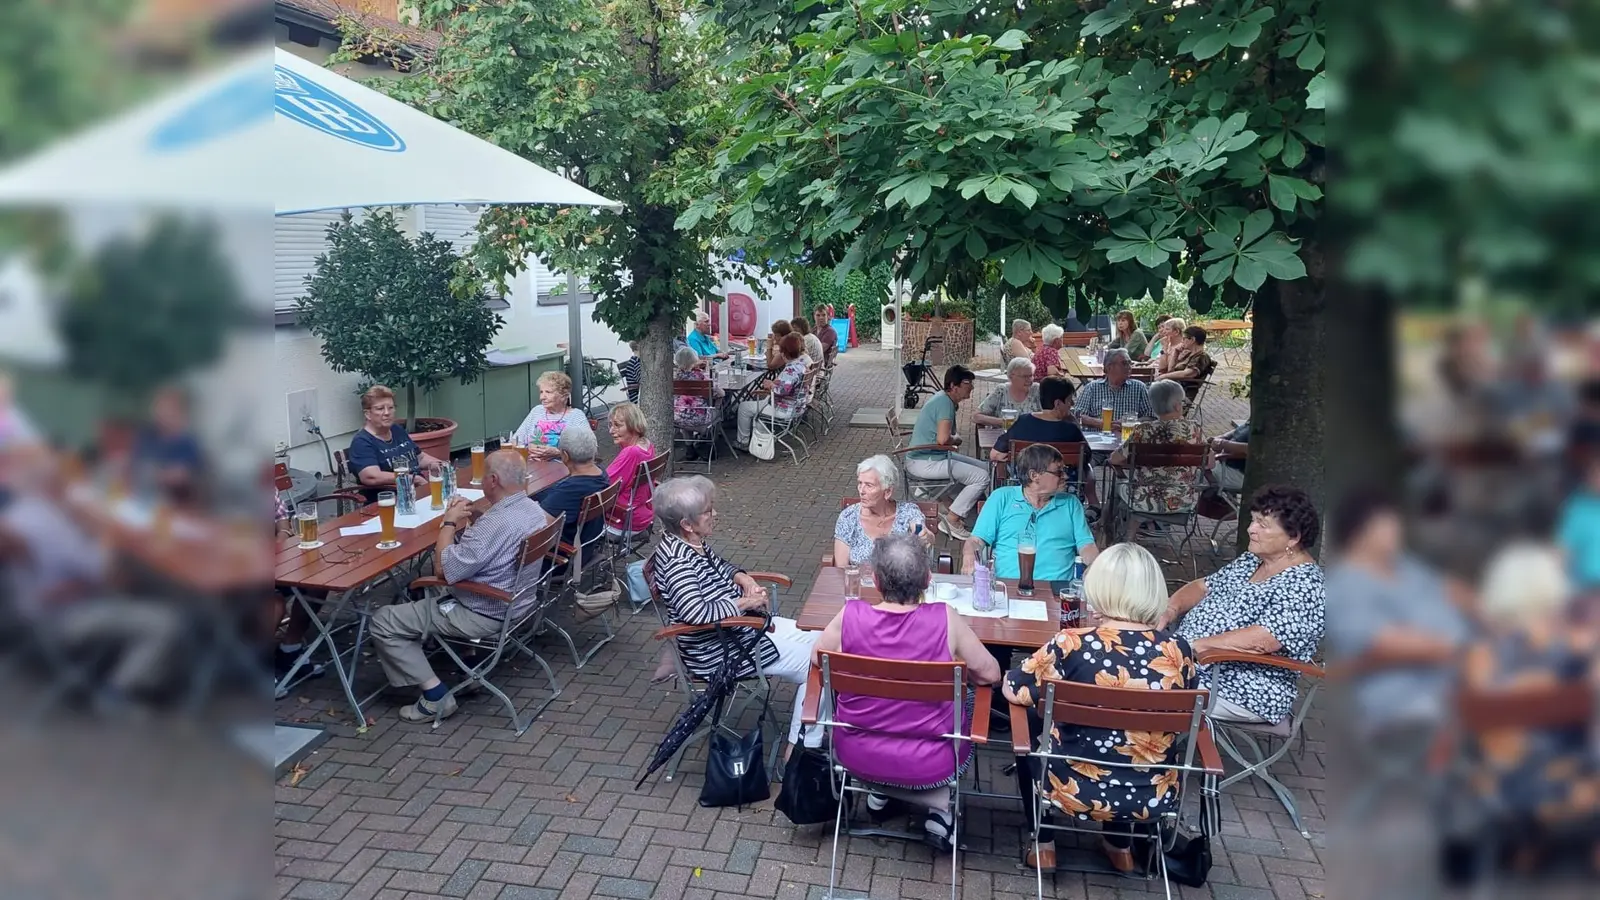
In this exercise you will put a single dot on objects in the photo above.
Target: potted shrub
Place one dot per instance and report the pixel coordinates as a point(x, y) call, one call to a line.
point(403, 312)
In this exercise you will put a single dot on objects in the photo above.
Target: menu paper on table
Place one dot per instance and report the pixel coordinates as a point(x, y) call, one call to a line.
point(963, 604)
point(1088, 360)
point(1029, 610)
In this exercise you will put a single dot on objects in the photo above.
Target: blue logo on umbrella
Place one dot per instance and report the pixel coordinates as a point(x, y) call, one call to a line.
point(312, 104)
point(226, 109)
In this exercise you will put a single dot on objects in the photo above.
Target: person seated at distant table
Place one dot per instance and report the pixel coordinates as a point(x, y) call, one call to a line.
point(1231, 449)
point(899, 747)
point(1020, 393)
point(1050, 425)
point(545, 423)
point(829, 336)
point(168, 448)
point(1165, 489)
point(876, 515)
point(1128, 399)
point(1047, 359)
point(381, 445)
point(1128, 336)
point(1190, 362)
point(936, 424)
point(1021, 344)
point(487, 551)
point(579, 450)
point(1169, 342)
point(1038, 503)
point(700, 339)
point(813, 344)
point(775, 357)
point(633, 513)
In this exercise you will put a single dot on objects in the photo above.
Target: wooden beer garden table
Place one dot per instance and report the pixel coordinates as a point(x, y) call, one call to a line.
point(826, 598)
point(346, 569)
point(1073, 367)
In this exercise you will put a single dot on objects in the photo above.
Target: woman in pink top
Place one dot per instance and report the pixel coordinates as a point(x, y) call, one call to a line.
point(897, 746)
point(628, 430)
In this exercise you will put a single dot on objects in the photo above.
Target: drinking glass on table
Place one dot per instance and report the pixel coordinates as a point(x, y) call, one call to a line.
point(1107, 414)
point(305, 516)
point(436, 487)
point(1008, 418)
point(387, 539)
point(1025, 555)
point(1128, 425)
point(852, 582)
point(477, 462)
point(866, 576)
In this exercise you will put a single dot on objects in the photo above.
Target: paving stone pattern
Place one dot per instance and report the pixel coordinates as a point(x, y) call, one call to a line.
point(470, 810)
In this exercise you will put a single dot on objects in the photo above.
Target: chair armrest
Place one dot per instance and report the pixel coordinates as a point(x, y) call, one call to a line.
point(983, 703)
point(565, 548)
point(827, 560)
point(476, 588)
point(352, 496)
point(772, 578)
point(674, 631)
point(813, 701)
point(1021, 741)
point(1261, 659)
point(1210, 759)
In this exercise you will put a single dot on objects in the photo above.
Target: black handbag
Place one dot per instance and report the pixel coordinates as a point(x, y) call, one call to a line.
point(807, 796)
point(1189, 861)
point(736, 773)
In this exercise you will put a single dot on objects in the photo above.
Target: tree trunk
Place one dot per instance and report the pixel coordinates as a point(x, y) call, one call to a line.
point(655, 379)
point(1286, 392)
point(1361, 391)
point(411, 407)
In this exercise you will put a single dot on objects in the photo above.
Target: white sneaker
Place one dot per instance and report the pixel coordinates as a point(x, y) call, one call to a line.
point(955, 531)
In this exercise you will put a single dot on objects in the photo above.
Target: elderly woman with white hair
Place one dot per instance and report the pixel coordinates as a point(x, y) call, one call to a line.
point(1167, 489)
point(1047, 359)
point(693, 413)
point(1108, 778)
point(1020, 392)
point(699, 587)
point(1544, 777)
point(876, 515)
point(1021, 343)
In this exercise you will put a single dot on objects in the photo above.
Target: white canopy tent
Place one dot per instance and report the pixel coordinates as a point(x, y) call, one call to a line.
point(326, 143)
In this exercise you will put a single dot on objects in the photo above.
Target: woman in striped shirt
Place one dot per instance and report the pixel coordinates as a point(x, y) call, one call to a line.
point(699, 588)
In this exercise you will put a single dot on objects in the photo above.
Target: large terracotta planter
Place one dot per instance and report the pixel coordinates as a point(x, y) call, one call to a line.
point(434, 443)
point(958, 341)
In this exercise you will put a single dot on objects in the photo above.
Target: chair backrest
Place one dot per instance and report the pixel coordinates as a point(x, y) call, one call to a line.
point(539, 544)
point(1143, 455)
point(341, 469)
point(598, 504)
point(1148, 376)
point(1564, 705)
point(693, 387)
point(1074, 453)
point(893, 679)
point(929, 510)
point(1124, 709)
point(281, 480)
point(1078, 338)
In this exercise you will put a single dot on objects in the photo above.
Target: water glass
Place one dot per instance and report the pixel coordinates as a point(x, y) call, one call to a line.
point(852, 582)
point(998, 600)
point(866, 576)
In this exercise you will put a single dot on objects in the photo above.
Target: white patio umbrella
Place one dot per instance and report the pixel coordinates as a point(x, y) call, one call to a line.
point(326, 143)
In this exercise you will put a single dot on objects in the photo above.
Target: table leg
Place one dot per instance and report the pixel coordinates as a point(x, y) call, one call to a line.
point(325, 632)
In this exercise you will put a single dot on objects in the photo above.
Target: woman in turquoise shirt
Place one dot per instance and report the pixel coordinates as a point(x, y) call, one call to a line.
point(1579, 533)
point(1060, 530)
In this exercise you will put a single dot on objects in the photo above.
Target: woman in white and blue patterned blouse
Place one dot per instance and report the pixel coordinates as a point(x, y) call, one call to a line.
point(877, 515)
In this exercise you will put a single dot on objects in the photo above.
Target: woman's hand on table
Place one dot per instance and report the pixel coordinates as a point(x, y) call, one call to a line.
point(541, 451)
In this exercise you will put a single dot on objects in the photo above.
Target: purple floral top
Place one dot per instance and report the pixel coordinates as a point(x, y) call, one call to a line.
point(789, 396)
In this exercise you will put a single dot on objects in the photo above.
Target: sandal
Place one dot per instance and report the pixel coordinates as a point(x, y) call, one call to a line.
point(1047, 857)
point(1121, 858)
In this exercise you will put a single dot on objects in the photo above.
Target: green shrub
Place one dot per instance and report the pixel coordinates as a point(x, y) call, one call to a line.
point(869, 291)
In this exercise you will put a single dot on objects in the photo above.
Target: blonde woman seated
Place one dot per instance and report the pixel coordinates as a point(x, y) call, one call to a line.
point(1109, 779)
point(1020, 392)
point(897, 746)
point(542, 429)
point(877, 515)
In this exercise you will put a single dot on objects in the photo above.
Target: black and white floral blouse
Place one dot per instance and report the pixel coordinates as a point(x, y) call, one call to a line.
point(1291, 604)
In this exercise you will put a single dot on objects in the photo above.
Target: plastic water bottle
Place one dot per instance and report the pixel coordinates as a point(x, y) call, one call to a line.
point(982, 593)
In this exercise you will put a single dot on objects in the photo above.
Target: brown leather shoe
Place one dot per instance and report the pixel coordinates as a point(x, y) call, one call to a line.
point(1121, 857)
point(1047, 857)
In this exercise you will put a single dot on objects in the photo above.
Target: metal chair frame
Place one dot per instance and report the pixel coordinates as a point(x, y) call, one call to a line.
point(537, 550)
point(1144, 457)
point(1127, 709)
point(706, 435)
point(596, 506)
point(649, 473)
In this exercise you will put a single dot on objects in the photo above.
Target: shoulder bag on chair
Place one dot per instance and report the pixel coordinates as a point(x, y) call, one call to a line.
point(736, 767)
point(762, 444)
point(1189, 861)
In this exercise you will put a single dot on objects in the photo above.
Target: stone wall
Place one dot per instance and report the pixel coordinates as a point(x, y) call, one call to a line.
point(957, 347)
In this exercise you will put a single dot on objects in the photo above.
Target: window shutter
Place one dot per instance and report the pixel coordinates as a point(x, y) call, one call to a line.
point(297, 241)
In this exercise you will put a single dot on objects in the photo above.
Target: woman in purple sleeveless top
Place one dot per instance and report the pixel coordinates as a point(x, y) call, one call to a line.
point(898, 746)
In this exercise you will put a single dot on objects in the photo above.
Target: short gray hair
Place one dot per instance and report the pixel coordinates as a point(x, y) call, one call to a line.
point(685, 359)
point(888, 474)
point(900, 567)
point(1020, 324)
point(579, 444)
point(1175, 325)
point(1524, 580)
point(683, 499)
point(1116, 355)
point(508, 467)
point(1051, 332)
point(1019, 362)
point(1125, 582)
point(1166, 397)
point(1033, 460)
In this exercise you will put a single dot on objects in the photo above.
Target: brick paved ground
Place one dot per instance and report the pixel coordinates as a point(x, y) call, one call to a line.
point(472, 811)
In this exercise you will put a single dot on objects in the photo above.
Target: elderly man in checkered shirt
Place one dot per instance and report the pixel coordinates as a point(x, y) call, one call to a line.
point(1126, 397)
point(485, 551)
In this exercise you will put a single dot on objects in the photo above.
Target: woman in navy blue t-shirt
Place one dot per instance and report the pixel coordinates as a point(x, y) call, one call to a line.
point(381, 444)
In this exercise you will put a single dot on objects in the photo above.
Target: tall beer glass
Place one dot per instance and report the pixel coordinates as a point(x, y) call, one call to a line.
point(436, 487)
point(1025, 554)
point(305, 515)
point(477, 462)
point(1106, 413)
point(387, 540)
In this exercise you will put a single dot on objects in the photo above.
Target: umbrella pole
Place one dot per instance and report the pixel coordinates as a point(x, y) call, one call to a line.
point(575, 340)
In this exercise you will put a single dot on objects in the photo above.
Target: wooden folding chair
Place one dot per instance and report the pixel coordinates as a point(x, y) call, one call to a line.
point(1189, 461)
point(705, 435)
point(588, 568)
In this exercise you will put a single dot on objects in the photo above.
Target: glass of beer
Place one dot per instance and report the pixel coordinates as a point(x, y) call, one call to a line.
point(1106, 416)
point(387, 539)
point(477, 462)
point(305, 517)
point(522, 446)
point(1008, 417)
point(750, 344)
point(1025, 555)
point(1128, 425)
point(436, 487)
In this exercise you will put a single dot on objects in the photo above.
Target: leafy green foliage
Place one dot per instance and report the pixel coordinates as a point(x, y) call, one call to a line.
point(404, 312)
point(1100, 149)
point(869, 291)
point(148, 309)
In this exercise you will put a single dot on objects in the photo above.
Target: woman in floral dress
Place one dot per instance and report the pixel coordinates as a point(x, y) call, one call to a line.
point(1109, 778)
